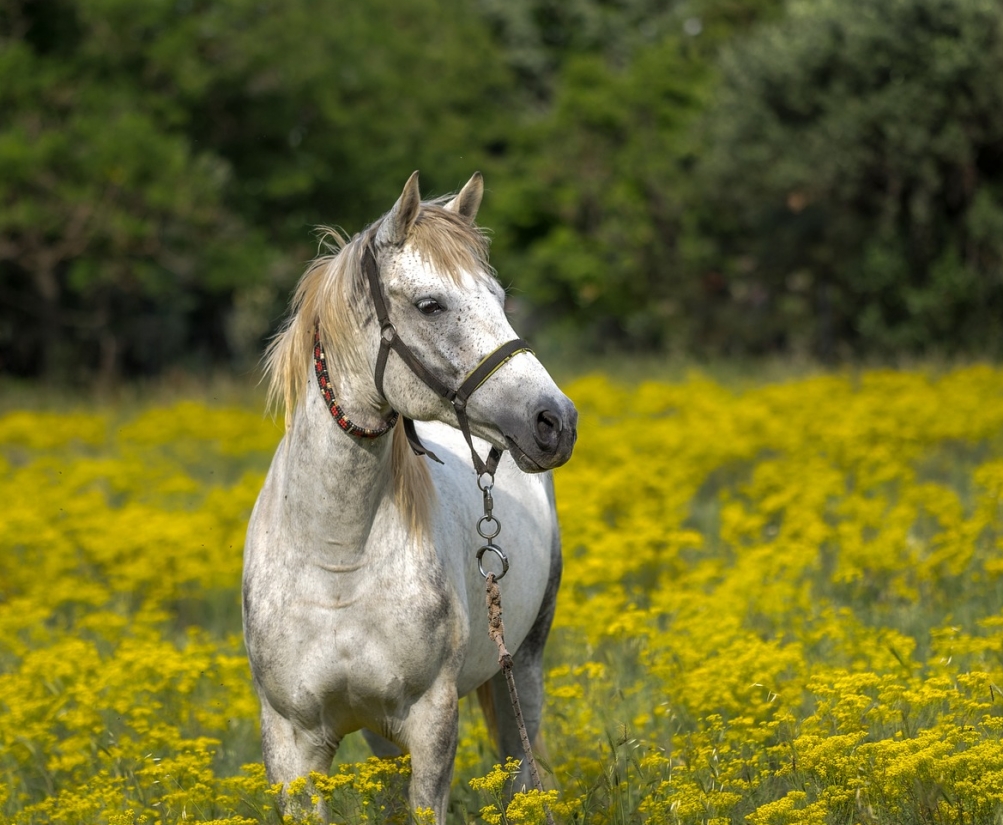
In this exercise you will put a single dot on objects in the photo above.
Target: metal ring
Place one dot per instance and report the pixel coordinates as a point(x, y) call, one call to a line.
point(485, 485)
point(481, 529)
point(494, 548)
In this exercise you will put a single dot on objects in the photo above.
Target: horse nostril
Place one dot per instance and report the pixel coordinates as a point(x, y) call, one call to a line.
point(548, 430)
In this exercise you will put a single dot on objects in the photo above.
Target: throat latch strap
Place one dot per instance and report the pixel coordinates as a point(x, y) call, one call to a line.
point(390, 340)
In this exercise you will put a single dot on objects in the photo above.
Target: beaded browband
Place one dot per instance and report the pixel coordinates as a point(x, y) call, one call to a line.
point(320, 367)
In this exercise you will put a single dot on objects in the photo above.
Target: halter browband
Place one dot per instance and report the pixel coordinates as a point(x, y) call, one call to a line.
point(327, 390)
point(390, 340)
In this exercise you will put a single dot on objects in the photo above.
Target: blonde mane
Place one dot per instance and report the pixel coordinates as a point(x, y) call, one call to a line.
point(333, 296)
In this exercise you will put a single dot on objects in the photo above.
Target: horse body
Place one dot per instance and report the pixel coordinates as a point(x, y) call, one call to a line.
point(363, 603)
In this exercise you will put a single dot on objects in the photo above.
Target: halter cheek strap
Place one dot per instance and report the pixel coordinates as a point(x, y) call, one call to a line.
point(389, 340)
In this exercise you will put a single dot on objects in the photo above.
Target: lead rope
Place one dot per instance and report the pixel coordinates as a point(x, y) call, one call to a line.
point(489, 527)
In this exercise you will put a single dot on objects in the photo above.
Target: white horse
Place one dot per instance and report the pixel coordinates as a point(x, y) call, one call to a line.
point(363, 602)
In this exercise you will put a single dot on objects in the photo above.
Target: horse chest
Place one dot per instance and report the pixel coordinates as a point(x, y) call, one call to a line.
point(388, 638)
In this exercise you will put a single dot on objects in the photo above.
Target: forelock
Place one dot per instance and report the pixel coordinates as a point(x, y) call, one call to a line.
point(450, 243)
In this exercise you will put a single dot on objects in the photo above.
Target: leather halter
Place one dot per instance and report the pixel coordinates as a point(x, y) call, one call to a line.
point(390, 340)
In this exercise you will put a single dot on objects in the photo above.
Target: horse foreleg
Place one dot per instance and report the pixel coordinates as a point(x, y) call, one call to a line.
point(291, 752)
point(431, 731)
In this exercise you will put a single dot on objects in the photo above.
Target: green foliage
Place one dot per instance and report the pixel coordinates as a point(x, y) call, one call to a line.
point(590, 205)
point(153, 158)
point(722, 176)
point(113, 217)
point(539, 37)
point(591, 210)
point(855, 177)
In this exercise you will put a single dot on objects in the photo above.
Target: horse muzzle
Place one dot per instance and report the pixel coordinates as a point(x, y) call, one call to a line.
point(546, 440)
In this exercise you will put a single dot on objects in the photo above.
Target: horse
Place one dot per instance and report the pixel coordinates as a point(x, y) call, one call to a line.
point(363, 602)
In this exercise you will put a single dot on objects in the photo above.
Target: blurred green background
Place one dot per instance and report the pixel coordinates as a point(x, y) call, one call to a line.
point(701, 177)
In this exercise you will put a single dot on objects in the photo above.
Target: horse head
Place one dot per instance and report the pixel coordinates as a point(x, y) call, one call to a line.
point(443, 305)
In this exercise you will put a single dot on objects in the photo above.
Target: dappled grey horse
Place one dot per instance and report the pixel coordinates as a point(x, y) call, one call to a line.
point(363, 602)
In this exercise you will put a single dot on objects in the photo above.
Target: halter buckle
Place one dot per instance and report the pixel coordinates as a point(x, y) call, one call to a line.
point(388, 332)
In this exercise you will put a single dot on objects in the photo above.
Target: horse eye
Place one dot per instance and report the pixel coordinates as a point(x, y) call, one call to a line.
point(429, 306)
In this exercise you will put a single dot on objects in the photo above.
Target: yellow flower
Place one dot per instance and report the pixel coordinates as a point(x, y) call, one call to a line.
point(780, 603)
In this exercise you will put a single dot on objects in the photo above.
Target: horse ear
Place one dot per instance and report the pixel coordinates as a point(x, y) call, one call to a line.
point(399, 220)
point(468, 200)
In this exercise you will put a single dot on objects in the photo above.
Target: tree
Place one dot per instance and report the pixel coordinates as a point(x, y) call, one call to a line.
point(111, 219)
point(855, 178)
point(163, 164)
point(591, 209)
point(593, 198)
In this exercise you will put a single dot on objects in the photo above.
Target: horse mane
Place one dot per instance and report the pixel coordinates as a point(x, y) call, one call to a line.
point(333, 296)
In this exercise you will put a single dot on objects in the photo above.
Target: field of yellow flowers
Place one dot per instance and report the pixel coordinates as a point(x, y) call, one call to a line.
point(781, 604)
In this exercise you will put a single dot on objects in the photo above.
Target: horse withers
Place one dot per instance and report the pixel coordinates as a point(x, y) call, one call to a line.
point(362, 598)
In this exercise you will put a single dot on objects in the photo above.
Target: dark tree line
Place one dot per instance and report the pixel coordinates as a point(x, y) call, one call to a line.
point(713, 176)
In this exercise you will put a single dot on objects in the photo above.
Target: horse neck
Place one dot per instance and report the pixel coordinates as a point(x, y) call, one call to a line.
point(336, 483)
